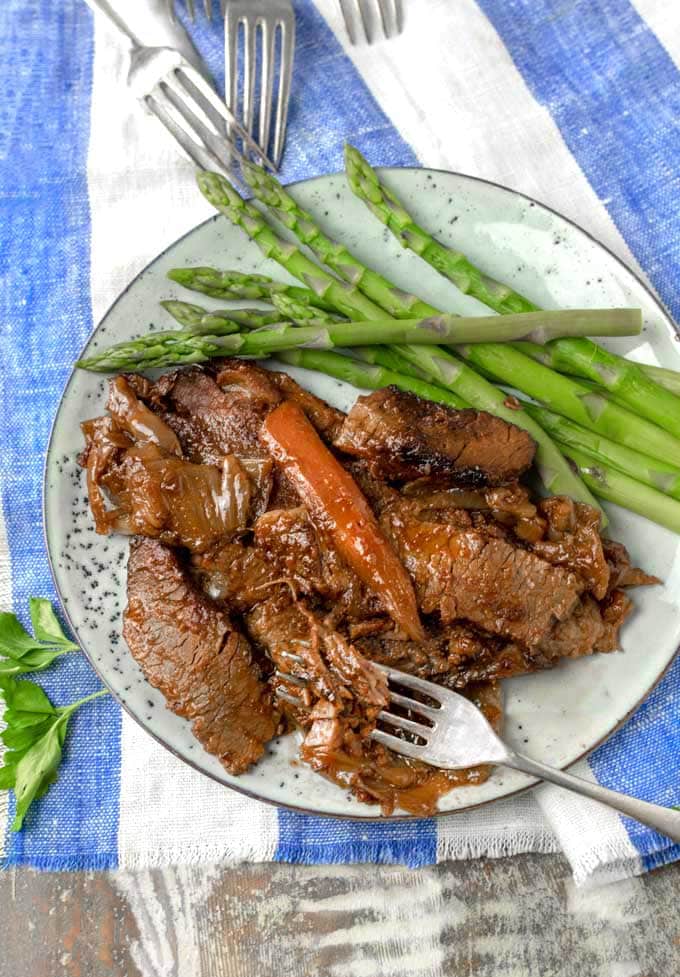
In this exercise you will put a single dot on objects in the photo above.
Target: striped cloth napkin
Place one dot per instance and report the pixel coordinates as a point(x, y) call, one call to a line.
point(576, 104)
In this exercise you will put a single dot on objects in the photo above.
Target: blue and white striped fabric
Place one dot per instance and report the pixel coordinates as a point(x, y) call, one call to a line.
point(576, 104)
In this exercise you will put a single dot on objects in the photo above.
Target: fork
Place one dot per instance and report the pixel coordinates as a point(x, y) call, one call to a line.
point(450, 732)
point(187, 105)
point(390, 16)
point(268, 18)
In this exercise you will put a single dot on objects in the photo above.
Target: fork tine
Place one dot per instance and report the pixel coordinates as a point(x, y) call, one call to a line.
point(287, 29)
point(384, 17)
point(397, 744)
point(249, 58)
point(349, 22)
point(170, 9)
point(212, 98)
point(191, 10)
point(398, 16)
point(364, 20)
point(231, 22)
point(207, 6)
point(410, 681)
point(166, 113)
point(267, 82)
point(414, 705)
point(215, 150)
point(401, 722)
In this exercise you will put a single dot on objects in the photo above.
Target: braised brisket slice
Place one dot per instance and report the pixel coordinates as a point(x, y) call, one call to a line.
point(402, 436)
point(482, 579)
point(188, 648)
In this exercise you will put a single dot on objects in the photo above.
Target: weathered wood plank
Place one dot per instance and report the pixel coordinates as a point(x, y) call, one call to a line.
point(511, 917)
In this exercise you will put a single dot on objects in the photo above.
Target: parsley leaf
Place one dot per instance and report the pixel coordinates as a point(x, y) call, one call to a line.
point(20, 652)
point(46, 626)
point(34, 735)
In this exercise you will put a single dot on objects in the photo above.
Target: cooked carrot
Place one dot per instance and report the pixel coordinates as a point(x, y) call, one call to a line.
point(336, 502)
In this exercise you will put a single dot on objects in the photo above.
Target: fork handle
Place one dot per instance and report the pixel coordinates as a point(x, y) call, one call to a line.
point(665, 820)
point(104, 7)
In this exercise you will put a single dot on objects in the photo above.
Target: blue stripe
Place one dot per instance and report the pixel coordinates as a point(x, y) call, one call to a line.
point(615, 95)
point(46, 52)
point(323, 841)
point(614, 92)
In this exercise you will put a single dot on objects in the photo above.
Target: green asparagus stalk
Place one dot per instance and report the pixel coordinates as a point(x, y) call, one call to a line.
point(557, 475)
point(200, 320)
point(614, 486)
point(668, 379)
point(447, 371)
point(238, 285)
point(623, 378)
point(448, 330)
point(573, 399)
point(658, 474)
point(176, 348)
point(301, 312)
point(345, 298)
point(452, 264)
point(366, 375)
point(399, 304)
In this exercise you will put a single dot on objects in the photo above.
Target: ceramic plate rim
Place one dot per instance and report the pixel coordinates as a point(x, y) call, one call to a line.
point(128, 708)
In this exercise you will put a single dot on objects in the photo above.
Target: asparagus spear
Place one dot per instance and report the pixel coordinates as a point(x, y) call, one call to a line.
point(556, 474)
point(238, 285)
point(668, 379)
point(301, 312)
point(447, 371)
point(346, 299)
point(658, 474)
point(626, 381)
point(399, 304)
point(452, 264)
point(174, 348)
point(200, 320)
point(607, 483)
point(269, 339)
point(366, 375)
point(573, 399)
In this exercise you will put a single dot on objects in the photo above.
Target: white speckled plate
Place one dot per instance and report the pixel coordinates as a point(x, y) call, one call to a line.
point(556, 716)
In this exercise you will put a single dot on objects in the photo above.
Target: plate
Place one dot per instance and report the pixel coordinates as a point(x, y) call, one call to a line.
point(556, 718)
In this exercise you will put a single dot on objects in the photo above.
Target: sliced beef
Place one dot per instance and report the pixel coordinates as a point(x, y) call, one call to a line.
point(301, 553)
point(622, 572)
point(486, 581)
point(213, 421)
point(138, 482)
point(402, 436)
point(188, 648)
point(573, 541)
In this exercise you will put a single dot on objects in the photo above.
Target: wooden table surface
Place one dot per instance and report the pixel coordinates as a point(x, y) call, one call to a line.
point(514, 917)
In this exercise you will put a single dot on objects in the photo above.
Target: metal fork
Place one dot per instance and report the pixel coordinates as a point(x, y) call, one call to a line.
point(266, 18)
point(187, 105)
point(447, 730)
point(364, 13)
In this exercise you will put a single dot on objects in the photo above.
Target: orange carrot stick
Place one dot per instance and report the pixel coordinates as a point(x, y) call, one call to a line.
point(336, 502)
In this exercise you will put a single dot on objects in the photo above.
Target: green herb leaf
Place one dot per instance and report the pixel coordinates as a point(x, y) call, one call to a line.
point(35, 735)
point(24, 737)
point(46, 626)
point(19, 652)
point(37, 769)
point(29, 697)
point(15, 640)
